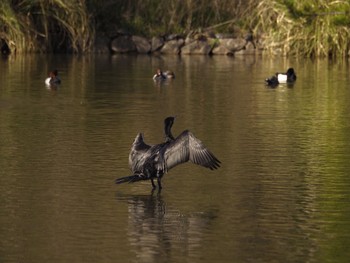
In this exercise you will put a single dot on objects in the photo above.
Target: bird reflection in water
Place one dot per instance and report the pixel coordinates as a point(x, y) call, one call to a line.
point(156, 229)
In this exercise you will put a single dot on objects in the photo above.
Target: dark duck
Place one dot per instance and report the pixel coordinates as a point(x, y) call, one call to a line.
point(53, 78)
point(150, 162)
point(288, 77)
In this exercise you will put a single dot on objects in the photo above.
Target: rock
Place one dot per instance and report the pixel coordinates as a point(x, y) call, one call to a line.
point(156, 43)
point(197, 47)
point(233, 44)
point(172, 37)
point(196, 43)
point(222, 50)
point(193, 36)
point(123, 44)
point(224, 36)
point(172, 46)
point(101, 44)
point(250, 49)
point(142, 44)
point(250, 45)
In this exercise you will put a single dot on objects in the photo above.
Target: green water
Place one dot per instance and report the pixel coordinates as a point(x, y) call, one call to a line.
point(281, 195)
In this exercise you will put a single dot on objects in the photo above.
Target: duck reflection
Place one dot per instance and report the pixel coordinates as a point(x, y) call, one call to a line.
point(158, 232)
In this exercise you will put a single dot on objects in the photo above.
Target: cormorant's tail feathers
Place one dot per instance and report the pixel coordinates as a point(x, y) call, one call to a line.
point(130, 179)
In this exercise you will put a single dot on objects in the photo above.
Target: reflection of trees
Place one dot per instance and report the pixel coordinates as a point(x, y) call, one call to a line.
point(158, 232)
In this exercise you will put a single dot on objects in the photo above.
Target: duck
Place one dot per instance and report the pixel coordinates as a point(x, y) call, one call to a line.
point(272, 82)
point(150, 162)
point(169, 74)
point(53, 78)
point(288, 77)
point(160, 75)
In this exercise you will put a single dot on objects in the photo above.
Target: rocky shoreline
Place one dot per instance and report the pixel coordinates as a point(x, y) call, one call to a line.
point(192, 44)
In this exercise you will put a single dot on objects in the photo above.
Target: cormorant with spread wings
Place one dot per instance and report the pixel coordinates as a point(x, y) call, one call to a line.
point(149, 162)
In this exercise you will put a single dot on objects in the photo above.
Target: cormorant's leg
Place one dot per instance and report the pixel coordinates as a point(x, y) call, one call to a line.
point(152, 191)
point(159, 183)
point(153, 185)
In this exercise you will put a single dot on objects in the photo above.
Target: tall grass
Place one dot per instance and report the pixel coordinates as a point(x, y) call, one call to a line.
point(10, 27)
point(152, 17)
point(44, 26)
point(318, 28)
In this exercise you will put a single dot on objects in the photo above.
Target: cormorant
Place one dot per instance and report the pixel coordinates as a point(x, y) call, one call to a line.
point(152, 162)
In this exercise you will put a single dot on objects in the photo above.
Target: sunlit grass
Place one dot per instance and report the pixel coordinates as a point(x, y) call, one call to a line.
point(305, 28)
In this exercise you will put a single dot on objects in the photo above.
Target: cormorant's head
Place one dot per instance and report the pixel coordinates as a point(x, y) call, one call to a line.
point(168, 122)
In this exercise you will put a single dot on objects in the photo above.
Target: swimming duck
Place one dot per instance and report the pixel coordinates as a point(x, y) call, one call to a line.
point(288, 77)
point(169, 74)
point(160, 75)
point(53, 78)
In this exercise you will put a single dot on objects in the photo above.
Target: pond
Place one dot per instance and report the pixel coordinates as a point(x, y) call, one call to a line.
point(281, 194)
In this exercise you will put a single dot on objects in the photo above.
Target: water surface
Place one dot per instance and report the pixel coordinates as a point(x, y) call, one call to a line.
point(281, 194)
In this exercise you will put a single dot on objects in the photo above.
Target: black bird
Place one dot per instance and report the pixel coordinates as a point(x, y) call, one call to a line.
point(149, 162)
point(288, 77)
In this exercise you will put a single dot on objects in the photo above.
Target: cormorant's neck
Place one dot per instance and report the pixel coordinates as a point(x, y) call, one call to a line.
point(167, 130)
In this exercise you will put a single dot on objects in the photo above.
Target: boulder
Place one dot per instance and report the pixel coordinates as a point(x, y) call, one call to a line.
point(101, 44)
point(157, 43)
point(224, 36)
point(123, 44)
point(142, 44)
point(249, 49)
point(233, 44)
point(197, 47)
point(172, 46)
point(221, 50)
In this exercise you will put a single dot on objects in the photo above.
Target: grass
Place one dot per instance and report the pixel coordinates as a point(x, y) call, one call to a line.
point(46, 26)
point(305, 28)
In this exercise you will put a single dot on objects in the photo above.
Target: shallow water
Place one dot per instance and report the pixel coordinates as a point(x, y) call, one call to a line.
point(281, 195)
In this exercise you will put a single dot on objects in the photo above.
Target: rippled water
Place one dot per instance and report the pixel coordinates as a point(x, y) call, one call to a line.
point(281, 195)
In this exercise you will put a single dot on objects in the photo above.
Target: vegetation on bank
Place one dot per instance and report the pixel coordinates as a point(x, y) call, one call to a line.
point(46, 25)
point(311, 28)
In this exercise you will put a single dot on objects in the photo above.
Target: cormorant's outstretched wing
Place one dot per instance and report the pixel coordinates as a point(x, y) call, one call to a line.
point(186, 147)
point(138, 153)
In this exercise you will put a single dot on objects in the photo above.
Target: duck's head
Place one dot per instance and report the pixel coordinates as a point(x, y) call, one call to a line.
point(290, 72)
point(291, 76)
point(53, 73)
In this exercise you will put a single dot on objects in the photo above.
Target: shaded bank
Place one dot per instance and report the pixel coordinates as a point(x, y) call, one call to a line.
point(45, 26)
point(288, 27)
